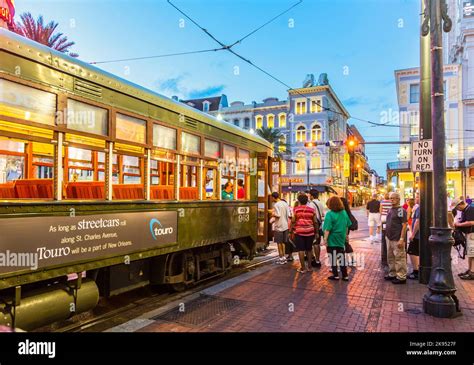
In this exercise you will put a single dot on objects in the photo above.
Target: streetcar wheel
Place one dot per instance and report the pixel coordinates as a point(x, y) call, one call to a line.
point(178, 287)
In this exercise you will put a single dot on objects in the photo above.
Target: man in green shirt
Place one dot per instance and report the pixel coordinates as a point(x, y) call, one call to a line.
point(228, 192)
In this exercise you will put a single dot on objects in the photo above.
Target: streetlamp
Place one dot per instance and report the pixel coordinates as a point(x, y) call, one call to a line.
point(440, 301)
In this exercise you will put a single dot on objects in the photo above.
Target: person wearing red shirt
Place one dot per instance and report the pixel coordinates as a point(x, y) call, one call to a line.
point(240, 189)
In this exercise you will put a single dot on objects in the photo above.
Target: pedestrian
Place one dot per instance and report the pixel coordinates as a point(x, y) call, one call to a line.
point(385, 206)
point(289, 245)
point(228, 191)
point(316, 204)
point(336, 223)
point(411, 205)
point(373, 216)
point(395, 237)
point(240, 189)
point(348, 248)
point(304, 226)
point(280, 215)
point(465, 225)
point(414, 245)
point(468, 200)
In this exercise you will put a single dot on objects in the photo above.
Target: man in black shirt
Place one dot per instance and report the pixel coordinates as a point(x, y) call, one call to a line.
point(373, 215)
point(466, 225)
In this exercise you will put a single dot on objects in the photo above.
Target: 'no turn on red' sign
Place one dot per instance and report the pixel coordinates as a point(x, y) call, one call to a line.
point(422, 156)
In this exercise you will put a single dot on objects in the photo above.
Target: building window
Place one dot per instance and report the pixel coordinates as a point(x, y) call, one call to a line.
point(414, 93)
point(414, 123)
point(247, 123)
point(316, 106)
point(237, 122)
point(301, 134)
point(300, 107)
point(282, 121)
point(205, 106)
point(259, 122)
point(315, 162)
point(316, 133)
point(301, 165)
point(282, 144)
point(270, 121)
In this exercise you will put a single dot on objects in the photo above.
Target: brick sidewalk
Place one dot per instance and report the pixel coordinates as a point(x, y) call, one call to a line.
point(281, 300)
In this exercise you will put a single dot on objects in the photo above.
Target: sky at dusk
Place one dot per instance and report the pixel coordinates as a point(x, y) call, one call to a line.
point(358, 43)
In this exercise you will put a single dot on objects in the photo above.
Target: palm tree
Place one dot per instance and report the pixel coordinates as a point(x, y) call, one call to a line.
point(281, 148)
point(44, 34)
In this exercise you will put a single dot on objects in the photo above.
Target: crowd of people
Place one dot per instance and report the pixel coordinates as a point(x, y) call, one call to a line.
point(309, 224)
point(306, 226)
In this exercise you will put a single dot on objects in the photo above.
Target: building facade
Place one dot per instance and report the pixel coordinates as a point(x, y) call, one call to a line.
point(399, 173)
point(313, 122)
point(458, 48)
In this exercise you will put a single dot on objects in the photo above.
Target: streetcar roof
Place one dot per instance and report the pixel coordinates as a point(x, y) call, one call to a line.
point(40, 53)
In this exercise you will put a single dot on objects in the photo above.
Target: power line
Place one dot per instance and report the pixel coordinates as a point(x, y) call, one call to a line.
point(158, 56)
point(228, 48)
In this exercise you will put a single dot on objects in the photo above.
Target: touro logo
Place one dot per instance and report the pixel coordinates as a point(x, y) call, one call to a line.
point(157, 229)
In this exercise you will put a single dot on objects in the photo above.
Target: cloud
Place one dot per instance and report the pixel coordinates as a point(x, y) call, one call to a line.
point(208, 91)
point(181, 86)
point(354, 101)
point(170, 84)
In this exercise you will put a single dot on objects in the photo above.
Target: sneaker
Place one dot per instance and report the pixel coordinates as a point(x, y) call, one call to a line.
point(332, 277)
point(398, 281)
point(315, 263)
point(413, 276)
point(283, 261)
point(290, 259)
point(346, 278)
point(388, 277)
point(464, 273)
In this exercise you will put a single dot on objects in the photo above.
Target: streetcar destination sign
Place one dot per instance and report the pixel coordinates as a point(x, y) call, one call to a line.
point(35, 243)
point(422, 156)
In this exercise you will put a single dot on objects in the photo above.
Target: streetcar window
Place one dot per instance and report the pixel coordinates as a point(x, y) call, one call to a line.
point(86, 118)
point(162, 177)
point(211, 149)
point(188, 185)
point(27, 103)
point(130, 129)
point(25, 169)
point(243, 175)
point(164, 137)
point(190, 143)
point(85, 173)
point(127, 177)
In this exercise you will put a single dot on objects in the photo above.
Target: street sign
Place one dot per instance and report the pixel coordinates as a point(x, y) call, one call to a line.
point(347, 165)
point(422, 156)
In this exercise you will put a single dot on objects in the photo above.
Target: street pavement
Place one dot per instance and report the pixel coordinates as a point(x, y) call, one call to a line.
point(276, 298)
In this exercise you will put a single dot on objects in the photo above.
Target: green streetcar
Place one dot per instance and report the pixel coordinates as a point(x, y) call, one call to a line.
point(106, 186)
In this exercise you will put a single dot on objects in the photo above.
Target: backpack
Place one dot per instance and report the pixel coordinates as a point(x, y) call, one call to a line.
point(355, 224)
point(460, 243)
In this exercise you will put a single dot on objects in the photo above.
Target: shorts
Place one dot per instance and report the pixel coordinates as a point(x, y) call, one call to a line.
point(304, 243)
point(374, 219)
point(414, 247)
point(280, 237)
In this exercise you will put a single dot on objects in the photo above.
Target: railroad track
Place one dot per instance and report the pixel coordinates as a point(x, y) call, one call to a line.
point(138, 306)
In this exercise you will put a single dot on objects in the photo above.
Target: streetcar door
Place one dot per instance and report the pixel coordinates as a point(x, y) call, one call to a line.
point(263, 193)
point(268, 180)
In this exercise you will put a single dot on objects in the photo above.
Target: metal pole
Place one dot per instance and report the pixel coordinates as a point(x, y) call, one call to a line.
point(307, 174)
point(426, 178)
point(440, 301)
